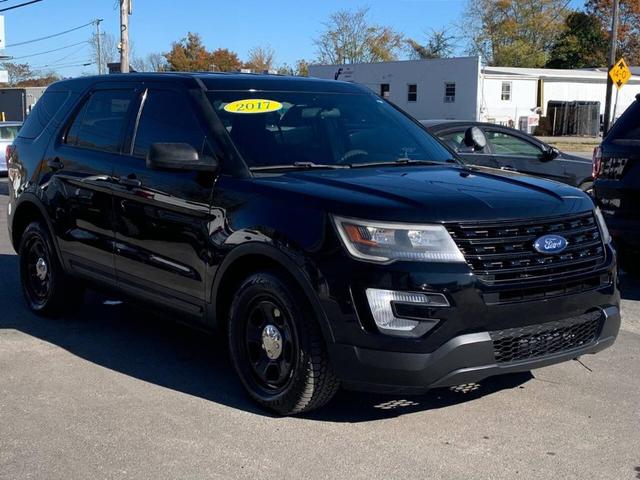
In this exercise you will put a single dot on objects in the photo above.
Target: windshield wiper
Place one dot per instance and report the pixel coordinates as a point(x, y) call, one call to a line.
point(403, 162)
point(297, 166)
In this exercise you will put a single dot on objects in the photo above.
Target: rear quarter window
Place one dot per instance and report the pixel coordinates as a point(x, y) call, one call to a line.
point(42, 114)
point(627, 128)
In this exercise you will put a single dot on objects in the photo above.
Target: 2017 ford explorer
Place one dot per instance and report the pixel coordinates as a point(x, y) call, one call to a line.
point(327, 234)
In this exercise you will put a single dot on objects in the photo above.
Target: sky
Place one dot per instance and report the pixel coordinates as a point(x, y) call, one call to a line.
point(289, 26)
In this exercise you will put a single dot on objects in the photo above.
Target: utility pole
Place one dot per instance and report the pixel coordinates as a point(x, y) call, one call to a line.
point(99, 45)
point(612, 62)
point(125, 11)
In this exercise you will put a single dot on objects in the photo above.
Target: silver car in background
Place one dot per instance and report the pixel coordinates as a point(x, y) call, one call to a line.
point(8, 132)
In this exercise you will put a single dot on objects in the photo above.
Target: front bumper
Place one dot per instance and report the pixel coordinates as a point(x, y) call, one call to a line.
point(464, 359)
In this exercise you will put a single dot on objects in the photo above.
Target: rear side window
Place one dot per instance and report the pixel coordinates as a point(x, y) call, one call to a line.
point(101, 122)
point(628, 126)
point(42, 113)
point(9, 132)
point(167, 117)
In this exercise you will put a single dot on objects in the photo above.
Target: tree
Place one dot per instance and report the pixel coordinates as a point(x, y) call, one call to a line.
point(41, 81)
point(350, 38)
point(157, 62)
point(440, 44)
point(261, 59)
point(153, 62)
point(629, 29)
point(582, 45)
point(302, 68)
point(224, 60)
point(108, 47)
point(189, 55)
point(18, 72)
point(514, 33)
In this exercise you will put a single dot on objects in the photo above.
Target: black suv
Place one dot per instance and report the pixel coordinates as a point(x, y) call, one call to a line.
point(331, 238)
point(616, 169)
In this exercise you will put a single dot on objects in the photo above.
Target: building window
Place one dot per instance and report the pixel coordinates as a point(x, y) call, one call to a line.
point(384, 90)
point(506, 91)
point(412, 92)
point(449, 92)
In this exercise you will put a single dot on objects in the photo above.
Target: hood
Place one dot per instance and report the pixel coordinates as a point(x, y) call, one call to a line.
point(576, 158)
point(426, 193)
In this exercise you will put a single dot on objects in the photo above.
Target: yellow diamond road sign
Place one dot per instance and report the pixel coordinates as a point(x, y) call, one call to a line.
point(620, 73)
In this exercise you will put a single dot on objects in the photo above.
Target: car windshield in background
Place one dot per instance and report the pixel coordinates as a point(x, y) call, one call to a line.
point(330, 130)
point(9, 132)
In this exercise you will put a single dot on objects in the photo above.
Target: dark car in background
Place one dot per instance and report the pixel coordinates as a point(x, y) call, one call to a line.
point(496, 146)
point(322, 232)
point(616, 169)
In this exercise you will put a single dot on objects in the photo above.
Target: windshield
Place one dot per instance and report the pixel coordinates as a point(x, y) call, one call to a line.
point(328, 129)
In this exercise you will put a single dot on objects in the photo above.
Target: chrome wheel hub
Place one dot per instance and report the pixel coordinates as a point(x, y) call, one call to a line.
point(41, 268)
point(272, 342)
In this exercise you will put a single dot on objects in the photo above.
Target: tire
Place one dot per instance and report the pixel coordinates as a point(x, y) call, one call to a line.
point(297, 376)
point(47, 289)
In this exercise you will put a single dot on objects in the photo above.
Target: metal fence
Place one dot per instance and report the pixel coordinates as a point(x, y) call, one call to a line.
point(574, 118)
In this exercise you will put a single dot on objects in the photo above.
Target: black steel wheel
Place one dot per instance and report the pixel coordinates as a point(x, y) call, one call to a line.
point(277, 348)
point(46, 287)
point(271, 344)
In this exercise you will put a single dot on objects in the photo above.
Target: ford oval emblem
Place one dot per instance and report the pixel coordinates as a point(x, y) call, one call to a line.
point(550, 244)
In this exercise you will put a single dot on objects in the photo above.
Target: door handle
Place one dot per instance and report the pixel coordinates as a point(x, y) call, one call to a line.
point(508, 167)
point(130, 182)
point(55, 164)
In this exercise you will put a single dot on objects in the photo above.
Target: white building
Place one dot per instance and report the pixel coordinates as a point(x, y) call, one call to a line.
point(462, 89)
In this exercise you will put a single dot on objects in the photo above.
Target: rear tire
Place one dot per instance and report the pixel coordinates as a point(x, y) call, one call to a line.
point(277, 348)
point(47, 289)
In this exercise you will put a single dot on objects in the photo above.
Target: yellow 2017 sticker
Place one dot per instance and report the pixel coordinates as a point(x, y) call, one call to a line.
point(253, 105)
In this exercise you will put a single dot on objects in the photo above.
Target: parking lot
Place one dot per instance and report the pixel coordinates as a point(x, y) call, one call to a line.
point(115, 392)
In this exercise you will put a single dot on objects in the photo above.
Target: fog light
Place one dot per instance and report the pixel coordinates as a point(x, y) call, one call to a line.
point(381, 304)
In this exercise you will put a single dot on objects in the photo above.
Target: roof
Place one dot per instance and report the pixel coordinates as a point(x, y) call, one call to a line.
point(222, 81)
point(583, 74)
point(544, 72)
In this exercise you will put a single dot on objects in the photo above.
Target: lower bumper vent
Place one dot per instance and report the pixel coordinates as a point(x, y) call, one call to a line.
point(517, 344)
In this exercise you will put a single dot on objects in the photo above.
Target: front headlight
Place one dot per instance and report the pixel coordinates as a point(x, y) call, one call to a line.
point(604, 231)
point(383, 242)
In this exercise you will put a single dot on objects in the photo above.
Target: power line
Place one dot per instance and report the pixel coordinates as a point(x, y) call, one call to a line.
point(69, 54)
point(51, 36)
point(58, 65)
point(49, 51)
point(20, 5)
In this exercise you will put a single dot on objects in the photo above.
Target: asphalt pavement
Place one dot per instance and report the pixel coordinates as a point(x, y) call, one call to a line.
point(113, 391)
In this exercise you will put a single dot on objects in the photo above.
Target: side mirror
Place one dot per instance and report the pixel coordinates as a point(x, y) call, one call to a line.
point(550, 154)
point(474, 138)
point(178, 156)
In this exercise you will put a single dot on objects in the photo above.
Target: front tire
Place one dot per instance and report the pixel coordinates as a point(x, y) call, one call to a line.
point(47, 289)
point(277, 348)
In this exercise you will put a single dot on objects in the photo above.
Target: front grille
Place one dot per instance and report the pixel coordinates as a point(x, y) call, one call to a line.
point(502, 253)
point(558, 288)
point(535, 341)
